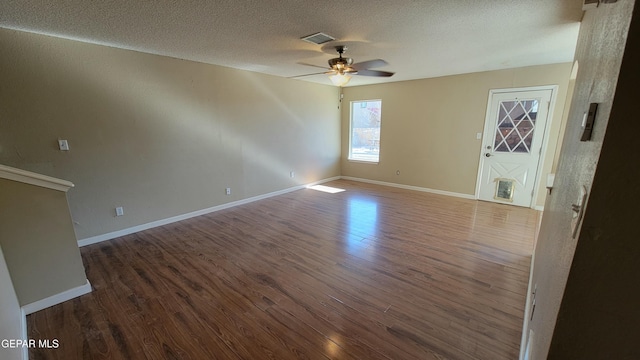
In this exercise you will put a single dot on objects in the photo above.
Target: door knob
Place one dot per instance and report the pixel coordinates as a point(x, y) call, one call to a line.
point(487, 155)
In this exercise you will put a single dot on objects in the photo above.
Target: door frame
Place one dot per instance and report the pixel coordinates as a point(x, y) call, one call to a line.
point(545, 138)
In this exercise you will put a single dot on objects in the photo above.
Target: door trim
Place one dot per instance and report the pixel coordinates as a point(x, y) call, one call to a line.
point(547, 130)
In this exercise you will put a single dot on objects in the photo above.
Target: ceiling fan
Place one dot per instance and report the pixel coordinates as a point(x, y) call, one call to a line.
point(341, 68)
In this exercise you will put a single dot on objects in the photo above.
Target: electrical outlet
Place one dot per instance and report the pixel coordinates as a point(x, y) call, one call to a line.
point(119, 211)
point(63, 145)
point(292, 174)
point(228, 191)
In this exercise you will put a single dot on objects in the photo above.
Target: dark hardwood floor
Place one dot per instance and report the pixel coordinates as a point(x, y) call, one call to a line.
point(369, 273)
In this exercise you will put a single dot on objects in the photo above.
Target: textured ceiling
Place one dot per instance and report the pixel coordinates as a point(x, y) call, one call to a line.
point(419, 39)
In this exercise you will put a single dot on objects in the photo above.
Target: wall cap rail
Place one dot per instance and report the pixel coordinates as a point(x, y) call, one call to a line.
point(28, 177)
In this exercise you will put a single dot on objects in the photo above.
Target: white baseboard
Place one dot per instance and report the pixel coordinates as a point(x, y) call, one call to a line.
point(56, 299)
point(24, 333)
point(134, 229)
point(410, 187)
point(524, 339)
point(526, 336)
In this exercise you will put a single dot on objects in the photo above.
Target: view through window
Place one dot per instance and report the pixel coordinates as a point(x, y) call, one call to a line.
point(364, 139)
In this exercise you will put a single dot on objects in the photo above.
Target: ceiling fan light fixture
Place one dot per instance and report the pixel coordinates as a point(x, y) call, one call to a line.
point(341, 68)
point(340, 79)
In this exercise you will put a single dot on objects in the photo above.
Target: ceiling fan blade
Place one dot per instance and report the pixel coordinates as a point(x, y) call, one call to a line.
point(307, 64)
point(369, 64)
point(303, 75)
point(367, 72)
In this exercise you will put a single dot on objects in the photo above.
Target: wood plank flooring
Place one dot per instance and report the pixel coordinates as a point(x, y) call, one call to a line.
point(372, 272)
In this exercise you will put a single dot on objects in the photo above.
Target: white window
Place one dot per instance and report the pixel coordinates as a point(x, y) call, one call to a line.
point(364, 131)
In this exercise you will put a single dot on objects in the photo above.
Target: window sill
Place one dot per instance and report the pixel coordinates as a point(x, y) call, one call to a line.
point(363, 161)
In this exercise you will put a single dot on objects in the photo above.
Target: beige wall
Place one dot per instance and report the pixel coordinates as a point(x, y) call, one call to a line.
point(37, 237)
point(429, 126)
point(159, 136)
point(587, 288)
point(10, 315)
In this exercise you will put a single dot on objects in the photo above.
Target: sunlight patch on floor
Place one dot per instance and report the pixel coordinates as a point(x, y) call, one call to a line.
point(327, 189)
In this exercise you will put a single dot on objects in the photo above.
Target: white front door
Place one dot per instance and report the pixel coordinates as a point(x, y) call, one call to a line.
point(512, 145)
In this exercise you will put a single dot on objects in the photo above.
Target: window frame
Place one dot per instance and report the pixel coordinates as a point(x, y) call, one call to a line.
point(350, 152)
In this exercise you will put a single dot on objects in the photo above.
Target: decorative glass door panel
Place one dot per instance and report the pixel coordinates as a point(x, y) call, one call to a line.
point(516, 126)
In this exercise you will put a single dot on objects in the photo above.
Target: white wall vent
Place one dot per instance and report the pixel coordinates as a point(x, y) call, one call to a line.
point(318, 38)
